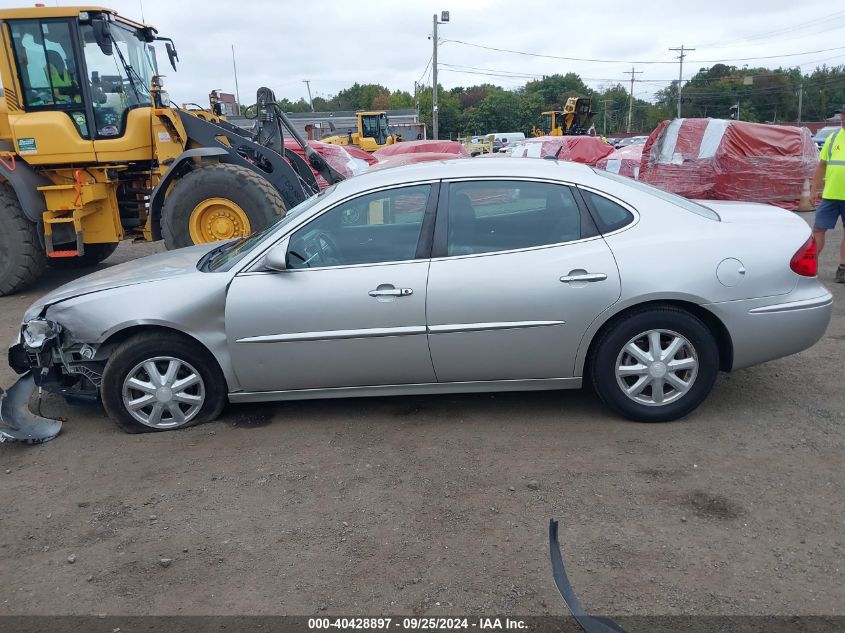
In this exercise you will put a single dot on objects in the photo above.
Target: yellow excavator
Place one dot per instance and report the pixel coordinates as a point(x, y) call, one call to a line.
point(373, 133)
point(92, 151)
point(575, 119)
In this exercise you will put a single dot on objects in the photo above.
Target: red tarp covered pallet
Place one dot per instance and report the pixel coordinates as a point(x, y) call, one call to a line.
point(578, 149)
point(419, 147)
point(347, 160)
point(624, 161)
point(719, 159)
point(412, 159)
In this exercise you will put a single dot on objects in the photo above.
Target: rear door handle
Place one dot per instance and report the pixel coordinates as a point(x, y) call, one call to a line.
point(584, 277)
point(391, 292)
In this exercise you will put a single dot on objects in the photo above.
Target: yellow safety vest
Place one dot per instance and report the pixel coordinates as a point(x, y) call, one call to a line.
point(833, 154)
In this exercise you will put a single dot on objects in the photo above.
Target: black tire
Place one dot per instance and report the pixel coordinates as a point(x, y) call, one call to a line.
point(22, 256)
point(260, 201)
point(141, 347)
point(606, 352)
point(94, 254)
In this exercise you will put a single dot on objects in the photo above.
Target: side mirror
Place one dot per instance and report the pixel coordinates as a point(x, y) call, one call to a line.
point(172, 55)
point(102, 35)
point(277, 257)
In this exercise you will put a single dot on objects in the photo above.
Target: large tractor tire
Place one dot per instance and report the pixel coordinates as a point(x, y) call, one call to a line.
point(218, 202)
point(94, 254)
point(22, 256)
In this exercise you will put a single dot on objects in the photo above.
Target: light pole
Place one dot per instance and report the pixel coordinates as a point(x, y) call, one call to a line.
point(307, 82)
point(444, 18)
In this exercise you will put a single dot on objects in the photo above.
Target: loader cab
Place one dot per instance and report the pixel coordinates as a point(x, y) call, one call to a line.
point(90, 66)
point(551, 121)
point(373, 130)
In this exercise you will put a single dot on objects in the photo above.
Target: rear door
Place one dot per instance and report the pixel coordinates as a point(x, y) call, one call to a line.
point(519, 272)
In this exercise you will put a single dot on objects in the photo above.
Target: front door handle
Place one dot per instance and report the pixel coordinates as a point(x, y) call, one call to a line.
point(391, 292)
point(584, 277)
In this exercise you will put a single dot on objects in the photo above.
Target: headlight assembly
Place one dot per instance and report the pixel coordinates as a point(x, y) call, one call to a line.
point(38, 332)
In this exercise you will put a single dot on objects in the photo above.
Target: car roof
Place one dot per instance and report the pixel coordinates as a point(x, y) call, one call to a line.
point(469, 168)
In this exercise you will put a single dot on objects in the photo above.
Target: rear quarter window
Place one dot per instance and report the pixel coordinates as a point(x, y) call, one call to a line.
point(609, 215)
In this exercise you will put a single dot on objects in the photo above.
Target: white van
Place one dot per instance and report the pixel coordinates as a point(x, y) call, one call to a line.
point(506, 138)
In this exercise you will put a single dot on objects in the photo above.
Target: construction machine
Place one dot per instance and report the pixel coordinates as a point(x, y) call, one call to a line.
point(92, 151)
point(574, 119)
point(373, 132)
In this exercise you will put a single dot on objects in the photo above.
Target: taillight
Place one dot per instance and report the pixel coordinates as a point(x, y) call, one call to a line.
point(805, 262)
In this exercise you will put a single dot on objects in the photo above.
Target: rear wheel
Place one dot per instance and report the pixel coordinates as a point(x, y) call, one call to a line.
point(654, 365)
point(22, 257)
point(94, 254)
point(162, 382)
point(218, 202)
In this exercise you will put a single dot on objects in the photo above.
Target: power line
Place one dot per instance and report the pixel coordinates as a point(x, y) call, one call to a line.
point(425, 70)
point(623, 61)
point(789, 29)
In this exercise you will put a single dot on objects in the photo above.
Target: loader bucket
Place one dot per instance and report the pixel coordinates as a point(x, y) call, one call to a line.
point(17, 422)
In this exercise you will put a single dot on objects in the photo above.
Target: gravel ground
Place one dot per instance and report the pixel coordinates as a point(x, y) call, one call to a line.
point(440, 504)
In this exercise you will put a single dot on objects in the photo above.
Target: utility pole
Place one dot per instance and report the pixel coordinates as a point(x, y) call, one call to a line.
point(307, 82)
point(237, 92)
point(604, 125)
point(683, 52)
point(444, 18)
point(800, 98)
point(633, 73)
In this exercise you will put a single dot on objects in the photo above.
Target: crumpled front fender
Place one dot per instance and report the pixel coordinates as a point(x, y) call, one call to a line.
point(17, 422)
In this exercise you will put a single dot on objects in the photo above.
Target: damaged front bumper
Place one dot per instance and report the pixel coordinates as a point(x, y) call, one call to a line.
point(49, 359)
point(17, 422)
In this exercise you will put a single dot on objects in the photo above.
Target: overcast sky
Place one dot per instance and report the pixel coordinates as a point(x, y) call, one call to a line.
point(335, 43)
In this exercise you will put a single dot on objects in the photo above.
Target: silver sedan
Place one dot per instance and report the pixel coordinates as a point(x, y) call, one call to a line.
point(442, 277)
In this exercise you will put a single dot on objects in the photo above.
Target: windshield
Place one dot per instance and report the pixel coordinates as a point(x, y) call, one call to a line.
point(684, 203)
point(227, 255)
point(547, 123)
point(120, 81)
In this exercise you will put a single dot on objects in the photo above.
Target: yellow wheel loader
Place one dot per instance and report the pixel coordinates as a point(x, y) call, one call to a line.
point(92, 151)
point(575, 119)
point(373, 133)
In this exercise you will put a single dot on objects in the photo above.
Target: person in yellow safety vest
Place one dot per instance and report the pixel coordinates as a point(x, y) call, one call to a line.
point(60, 79)
point(830, 181)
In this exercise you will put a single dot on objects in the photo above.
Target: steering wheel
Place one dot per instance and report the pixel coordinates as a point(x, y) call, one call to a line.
point(324, 246)
point(315, 251)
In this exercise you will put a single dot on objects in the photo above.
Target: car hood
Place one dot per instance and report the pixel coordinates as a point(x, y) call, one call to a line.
point(152, 268)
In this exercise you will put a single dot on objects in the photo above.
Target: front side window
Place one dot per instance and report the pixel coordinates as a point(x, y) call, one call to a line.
point(48, 67)
point(379, 227)
point(505, 215)
point(119, 81)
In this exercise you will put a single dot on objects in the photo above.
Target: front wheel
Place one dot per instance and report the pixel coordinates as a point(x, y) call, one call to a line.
point(162, 382)
point(654, 365)
point(218, 202)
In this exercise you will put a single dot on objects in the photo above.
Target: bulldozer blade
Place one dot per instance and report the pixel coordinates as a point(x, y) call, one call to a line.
point(17, 422)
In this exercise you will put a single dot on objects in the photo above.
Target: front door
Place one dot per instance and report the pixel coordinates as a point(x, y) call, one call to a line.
point(350, 309)
point(521, 275)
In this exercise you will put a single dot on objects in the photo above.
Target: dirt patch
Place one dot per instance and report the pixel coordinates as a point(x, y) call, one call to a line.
point(710, 506)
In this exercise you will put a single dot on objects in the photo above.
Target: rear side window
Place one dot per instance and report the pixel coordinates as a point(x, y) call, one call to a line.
point(609, 215)
point(490, 216)
point(684, 203)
